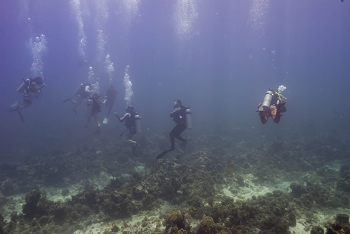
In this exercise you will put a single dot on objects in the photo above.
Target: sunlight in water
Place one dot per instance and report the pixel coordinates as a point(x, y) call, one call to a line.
point(257, 15)
point(185, 16)
point(76, 10)
point(38, 46)
point(131, 9)
point(101, 44)
point(128, 86)
point(101, 18)
point(109, 67)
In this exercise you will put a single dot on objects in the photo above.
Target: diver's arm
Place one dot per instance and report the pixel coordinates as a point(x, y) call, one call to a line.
point(176, 110)
point(123, 118)
point(88, 90)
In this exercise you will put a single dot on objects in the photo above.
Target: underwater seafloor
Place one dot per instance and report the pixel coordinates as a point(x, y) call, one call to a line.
point(218, 184)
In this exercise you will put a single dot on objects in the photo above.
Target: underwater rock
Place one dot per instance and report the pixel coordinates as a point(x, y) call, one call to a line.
point(207, 225)
point(292, 219)
point(115, 228)
point(175, 218)
point(59, 213)
point(340, 226)
point(297, 189)
point(240, 180)
point(65, 192)
point(1, 224)
point(342, 219)
point(317, 230)
point(14, 216)
point(29, 209)
point(138, 192)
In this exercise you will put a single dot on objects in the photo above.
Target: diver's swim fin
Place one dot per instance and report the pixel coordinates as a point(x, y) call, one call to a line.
point(105, 121)
point(21, 116)
point(68, 99)
point(12, 109)
point(161, 155)
point(97, 132)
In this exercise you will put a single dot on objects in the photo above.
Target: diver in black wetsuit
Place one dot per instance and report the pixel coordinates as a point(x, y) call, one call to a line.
point(30, 90)
point(84, 90)
point(129, 119)
point(179, 117)
point(93, 108)
point(111, 95)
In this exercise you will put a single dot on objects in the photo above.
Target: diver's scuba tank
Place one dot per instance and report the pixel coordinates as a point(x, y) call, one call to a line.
point(24, 85)
point(138, 123)
point(267, 101)
point(188, 118)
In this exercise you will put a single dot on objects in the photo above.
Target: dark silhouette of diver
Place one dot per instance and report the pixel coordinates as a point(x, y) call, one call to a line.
point(111, 95)
point(30, 89)
point(129, 119)
point(93, 108)
point(84, 90)
point(179, 117)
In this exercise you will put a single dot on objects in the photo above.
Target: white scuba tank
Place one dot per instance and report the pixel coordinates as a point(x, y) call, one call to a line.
point(188, 118)
point(267, 101)
point(138, 123)
point(23, 86)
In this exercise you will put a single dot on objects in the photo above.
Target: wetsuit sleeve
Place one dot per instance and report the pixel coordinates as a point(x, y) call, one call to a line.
point(87, 89)
point(124, 117)
point(172, 114)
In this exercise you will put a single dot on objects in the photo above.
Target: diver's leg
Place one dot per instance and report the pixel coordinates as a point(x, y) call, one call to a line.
point(77, 102)
point(172, 137)
point(97, 120)
point(263, 117)
point(25, 103)
point(109, 109)
point(15, 106)
point(277, 117)
point(88, 120)
point(98, 123)
point(180, 129)
point(275, 114)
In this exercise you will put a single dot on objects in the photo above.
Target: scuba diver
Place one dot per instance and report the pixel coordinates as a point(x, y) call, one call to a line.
point(132, 124)
point(30, 89)
point(93, 108)
point(84, 90)
point(111, 95)
point(182, 117)
point(273, 105)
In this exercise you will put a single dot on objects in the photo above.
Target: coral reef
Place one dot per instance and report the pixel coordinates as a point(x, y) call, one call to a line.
point(205, 183)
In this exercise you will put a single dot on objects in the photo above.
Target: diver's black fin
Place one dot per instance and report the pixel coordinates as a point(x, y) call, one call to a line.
point(21, 116)
point(161, 155)
point(97, 132)
point(12, 109)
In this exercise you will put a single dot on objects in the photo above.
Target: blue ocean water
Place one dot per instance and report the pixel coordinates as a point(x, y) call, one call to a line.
point(218, 57)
